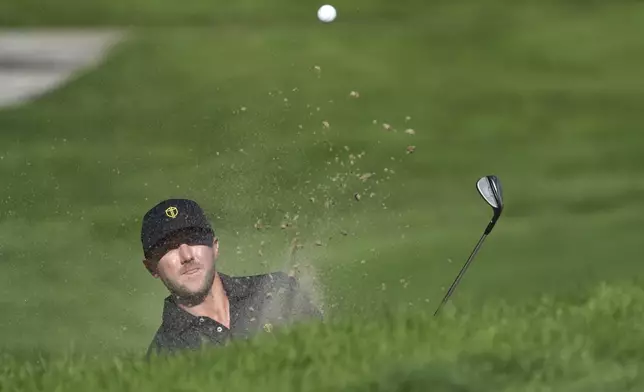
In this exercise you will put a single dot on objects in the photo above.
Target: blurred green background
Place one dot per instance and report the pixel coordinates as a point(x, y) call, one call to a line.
point(229, 104)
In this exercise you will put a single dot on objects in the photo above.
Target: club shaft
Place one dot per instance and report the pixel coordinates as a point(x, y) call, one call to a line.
point(461, 273)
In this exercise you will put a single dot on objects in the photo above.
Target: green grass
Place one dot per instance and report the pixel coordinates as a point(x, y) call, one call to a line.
point(545, 95)
point(544, 345)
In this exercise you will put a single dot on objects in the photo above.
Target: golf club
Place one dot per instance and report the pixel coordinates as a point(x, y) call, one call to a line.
point(489, 188)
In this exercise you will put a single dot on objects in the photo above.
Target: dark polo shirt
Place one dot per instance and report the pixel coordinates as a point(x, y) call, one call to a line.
point(257, 303)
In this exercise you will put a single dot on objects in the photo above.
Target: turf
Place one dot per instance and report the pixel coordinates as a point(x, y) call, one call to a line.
point(546, 96)
point(545, 345)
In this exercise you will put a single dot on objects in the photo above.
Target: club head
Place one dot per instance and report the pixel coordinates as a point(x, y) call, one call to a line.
point(489, 188)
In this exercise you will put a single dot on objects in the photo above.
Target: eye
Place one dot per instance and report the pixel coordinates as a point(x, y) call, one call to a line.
point(163, 249)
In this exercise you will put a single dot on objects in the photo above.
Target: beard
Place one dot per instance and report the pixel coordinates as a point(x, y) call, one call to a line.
point(182, 294)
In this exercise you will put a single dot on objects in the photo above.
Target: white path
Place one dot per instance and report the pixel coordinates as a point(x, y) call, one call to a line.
point(33, 62)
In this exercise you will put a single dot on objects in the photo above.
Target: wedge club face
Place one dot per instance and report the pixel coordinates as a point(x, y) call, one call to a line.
point(489, 188)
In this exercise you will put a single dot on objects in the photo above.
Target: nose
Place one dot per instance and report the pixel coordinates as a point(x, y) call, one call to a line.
point(185, 254)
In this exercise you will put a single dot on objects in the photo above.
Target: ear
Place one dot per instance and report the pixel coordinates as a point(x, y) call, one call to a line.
point(215, 246)
point(151, 267)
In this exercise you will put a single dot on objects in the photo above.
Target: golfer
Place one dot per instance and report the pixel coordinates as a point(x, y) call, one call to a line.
point(205, 306)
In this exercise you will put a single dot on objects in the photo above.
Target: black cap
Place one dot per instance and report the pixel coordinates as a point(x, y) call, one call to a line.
point(171, 216)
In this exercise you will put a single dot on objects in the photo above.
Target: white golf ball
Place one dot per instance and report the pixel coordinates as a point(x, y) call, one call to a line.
point(327, 13)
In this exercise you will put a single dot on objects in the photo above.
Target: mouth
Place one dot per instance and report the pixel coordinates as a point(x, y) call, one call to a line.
point(191, 271)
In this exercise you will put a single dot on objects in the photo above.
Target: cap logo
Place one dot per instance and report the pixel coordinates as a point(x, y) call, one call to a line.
point(172, 212)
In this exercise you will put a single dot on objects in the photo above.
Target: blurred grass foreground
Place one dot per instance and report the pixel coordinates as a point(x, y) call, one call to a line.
point(547, 345)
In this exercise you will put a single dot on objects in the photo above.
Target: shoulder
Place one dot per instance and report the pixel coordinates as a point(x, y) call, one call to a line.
point(159, 344)
point(278, 289)
point(172, 337)
point(244, 286)
point(168, 343)
point(277, 277)
point(163, 342)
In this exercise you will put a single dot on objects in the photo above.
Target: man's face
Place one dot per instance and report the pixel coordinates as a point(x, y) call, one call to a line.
point(186, 265)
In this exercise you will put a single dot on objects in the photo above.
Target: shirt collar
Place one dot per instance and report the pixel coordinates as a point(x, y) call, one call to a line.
point(236, 288)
